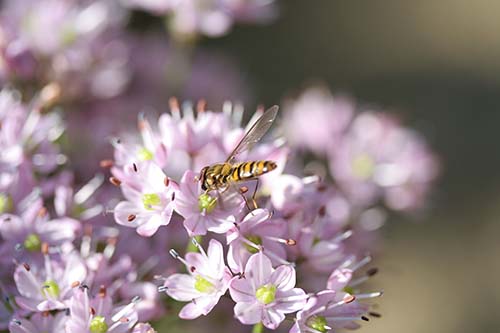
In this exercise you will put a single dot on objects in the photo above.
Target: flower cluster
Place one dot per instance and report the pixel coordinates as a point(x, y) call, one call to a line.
point(282, 243)
point(290, 228)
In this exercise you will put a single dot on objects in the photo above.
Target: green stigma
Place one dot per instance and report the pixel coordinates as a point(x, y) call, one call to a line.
point(145, 154)
point(348, 290)
point(203, 285)
point(363, 166)
point(98, 325)
point(5, 203)
point(254, 239)
point(266, 294)
point(150, 199)
point(50, 288)
point(318, 323)
point(206, 202)
point(32, 243)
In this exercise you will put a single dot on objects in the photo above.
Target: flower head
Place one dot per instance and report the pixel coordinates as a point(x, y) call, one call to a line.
point(204, 211)
point(150, 199)
point(265, 294)
point(207, 281)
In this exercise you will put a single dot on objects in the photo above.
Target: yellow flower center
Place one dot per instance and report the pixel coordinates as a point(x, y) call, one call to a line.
point(207, 203)
point(150, 199)
point(32, 243)
point(318, 323)
point(203, 285)
point(98, 325)
point(266, 294)
point(145, 154)
point(50, 288)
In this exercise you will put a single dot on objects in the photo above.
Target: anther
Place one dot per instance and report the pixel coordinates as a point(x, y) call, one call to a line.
point(131, 217)
point(102, 291)
point(135, 167)
point(243, 189)
point(372, 271)
point(291, 242)
point(375, 314)
point(124, 320)
point(200, 106)
point(192, 269)
point(349, 298)
point(365, 318)
point(174, 254)
point(45, 248)
point(136, 299)
point(174, 104)
point(173, 196)
point(166, 181)
point(92, 311)
point(16, 321)
point(42, 212)
point(105, 164)
point(75, 284)
point(26, 267)
point(115, 181)
point(45, 314)
point(162, 289)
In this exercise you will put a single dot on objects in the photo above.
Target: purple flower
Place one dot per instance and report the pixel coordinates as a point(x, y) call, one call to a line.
point(256, 233)
point(32, 228)
point(328, 310)
point(202, 211)
point(316, 119)
point(150, 199)
point(207, 281)
point(49, 287)
point(379, 159)
point(143, 328)
point(39, 323)
point(265, 294)
point(99, 315)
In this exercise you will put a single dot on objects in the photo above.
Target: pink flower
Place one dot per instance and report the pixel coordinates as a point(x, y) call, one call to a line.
point(256, 233)
point(316, 119)
point(99, 314)
point(207, 281)
point(202, 211)
point(379, 159)
point(32, 228)
point(150, 199)
point(40, 323)
point(265, 294)
point(143, 328)
point(329, 310)
point(50, 287)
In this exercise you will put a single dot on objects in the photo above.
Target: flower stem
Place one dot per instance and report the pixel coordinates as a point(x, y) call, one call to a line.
point(258, 328)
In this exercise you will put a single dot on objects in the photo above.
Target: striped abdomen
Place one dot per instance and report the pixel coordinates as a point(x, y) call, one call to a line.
point(250, 170)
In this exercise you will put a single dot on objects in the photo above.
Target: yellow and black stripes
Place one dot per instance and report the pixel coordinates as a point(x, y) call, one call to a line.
point(218, 176)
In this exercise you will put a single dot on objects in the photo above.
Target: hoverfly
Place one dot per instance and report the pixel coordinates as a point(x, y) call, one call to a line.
point(222, 175)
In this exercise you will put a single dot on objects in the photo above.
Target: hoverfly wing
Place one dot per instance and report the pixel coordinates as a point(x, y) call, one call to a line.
point(255, 133)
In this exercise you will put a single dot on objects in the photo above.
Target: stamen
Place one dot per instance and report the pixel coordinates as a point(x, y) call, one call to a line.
point(198, 246)
point(162, 289)
point(200, 106)
point(370, 295)
point(174, 107)
point(88, 189)
point(106, 164)
point(365, 318)
point(26, 267)
point(75, 284)
point(375, 314)
point(166, 181)
point(45, 248)
point(42, 212)
point(372, 271)
point(134, 166)
point(243, 189)
point(131, 217)
point(110, 248)
point(115, 181)
point(287, 241)
point(362, 263)
point(102, 291)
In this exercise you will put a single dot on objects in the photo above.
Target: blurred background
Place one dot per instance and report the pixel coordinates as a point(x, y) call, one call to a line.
point(436, 65)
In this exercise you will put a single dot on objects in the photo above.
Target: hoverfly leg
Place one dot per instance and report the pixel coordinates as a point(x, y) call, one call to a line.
point(255, 193)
